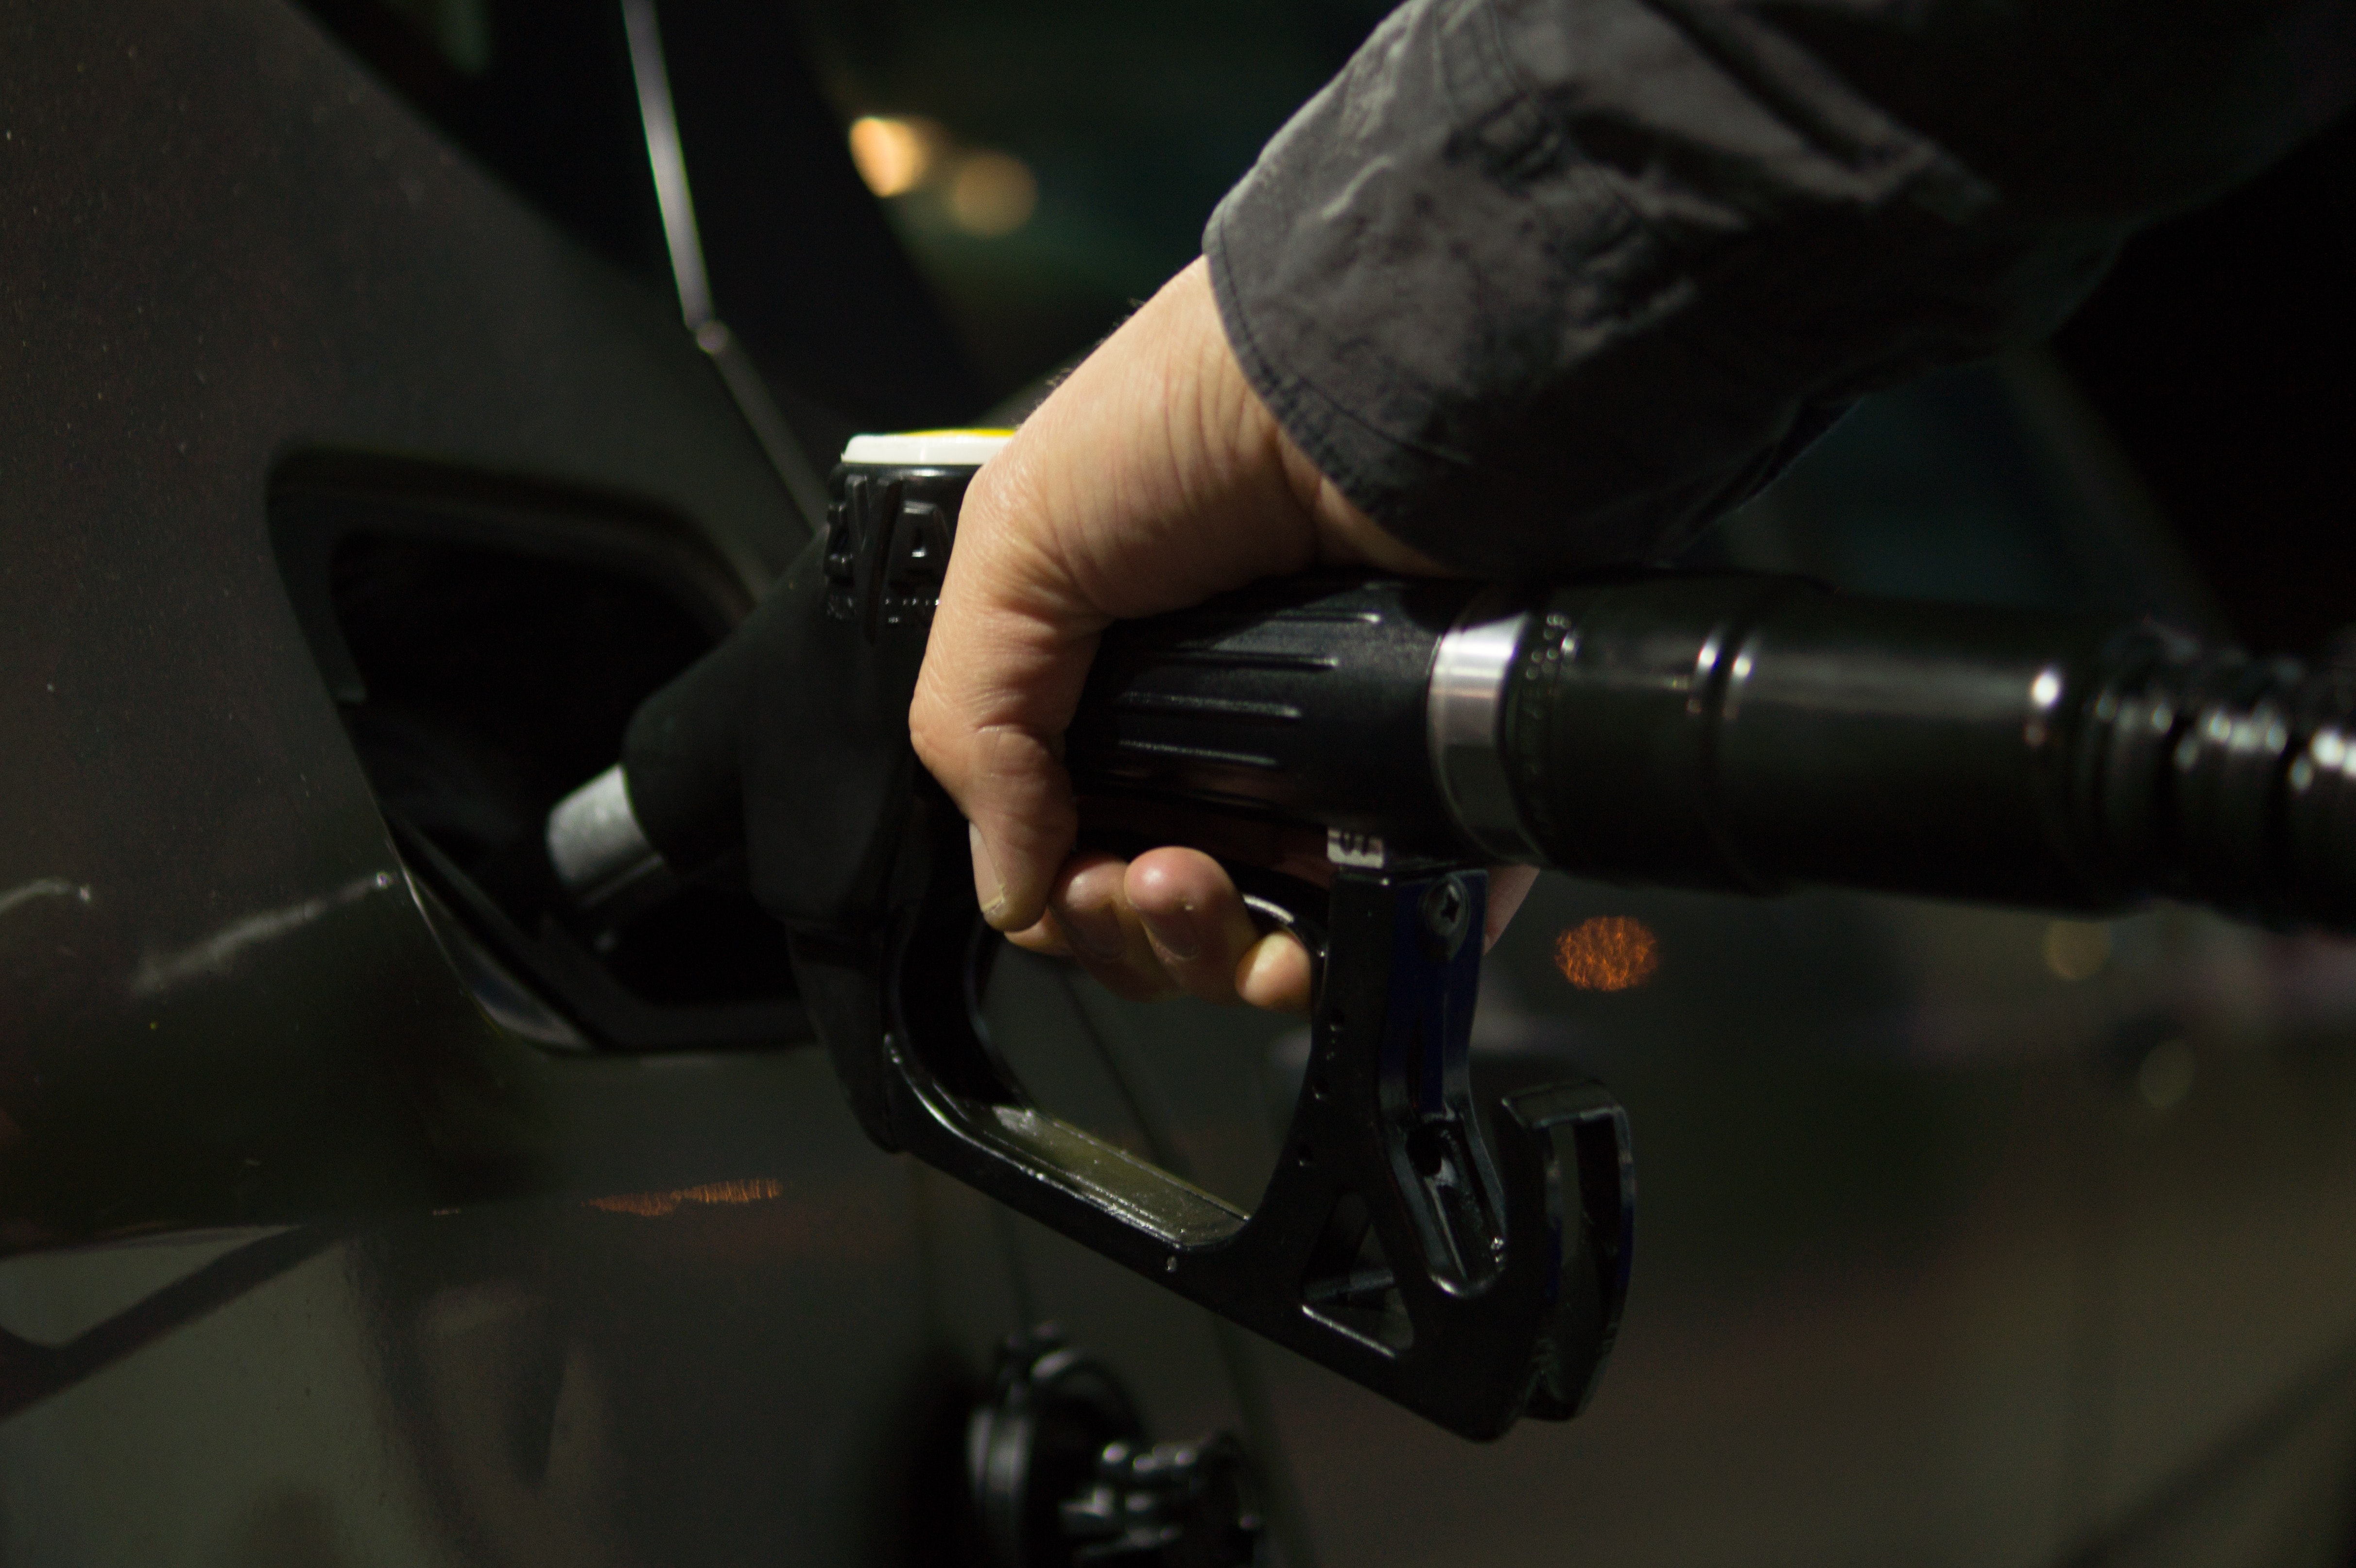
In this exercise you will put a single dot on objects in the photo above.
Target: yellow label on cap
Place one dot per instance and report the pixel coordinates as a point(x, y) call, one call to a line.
point(927, 448)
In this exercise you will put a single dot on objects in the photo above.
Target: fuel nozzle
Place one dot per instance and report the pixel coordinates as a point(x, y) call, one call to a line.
point(1751, 735)
point(1743, 732)
point(1740, 732)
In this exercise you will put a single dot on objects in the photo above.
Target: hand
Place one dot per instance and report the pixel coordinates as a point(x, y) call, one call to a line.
point(1152, 479)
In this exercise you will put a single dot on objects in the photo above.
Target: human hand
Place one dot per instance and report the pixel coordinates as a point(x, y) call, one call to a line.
point(1152, 479)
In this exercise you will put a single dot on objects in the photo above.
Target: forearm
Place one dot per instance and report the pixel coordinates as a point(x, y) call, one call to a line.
point(1540, 283)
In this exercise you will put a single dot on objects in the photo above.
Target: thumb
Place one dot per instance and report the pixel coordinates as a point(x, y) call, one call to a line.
point(1004, 667)
point(1017, 802)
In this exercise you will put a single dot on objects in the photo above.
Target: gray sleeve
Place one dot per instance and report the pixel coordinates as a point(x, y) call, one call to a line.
point(1545, 283)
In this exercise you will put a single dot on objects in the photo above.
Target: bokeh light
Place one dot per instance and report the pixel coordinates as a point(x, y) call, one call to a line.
point(1609, 952)
point(992, 194)
point(893, 156)
point(2077, 949)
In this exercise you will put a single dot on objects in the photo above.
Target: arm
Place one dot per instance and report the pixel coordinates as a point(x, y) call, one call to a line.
point(1538, 283)
point(1592, 271)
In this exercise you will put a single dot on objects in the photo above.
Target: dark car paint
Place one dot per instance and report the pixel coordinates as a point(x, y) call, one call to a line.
point(228, 248)
point(313, 1262)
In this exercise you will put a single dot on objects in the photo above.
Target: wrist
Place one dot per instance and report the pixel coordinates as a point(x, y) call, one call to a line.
point(1255, 440)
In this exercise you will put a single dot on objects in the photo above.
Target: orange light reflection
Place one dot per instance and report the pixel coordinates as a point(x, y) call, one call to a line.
point(655, 1205)
point(1609, 952)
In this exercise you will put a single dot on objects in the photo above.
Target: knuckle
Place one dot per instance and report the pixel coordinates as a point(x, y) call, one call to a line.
point(933, 738)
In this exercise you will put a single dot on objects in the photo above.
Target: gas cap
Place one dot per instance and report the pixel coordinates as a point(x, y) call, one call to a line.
point(1176, 1505)
point(1063, 1475)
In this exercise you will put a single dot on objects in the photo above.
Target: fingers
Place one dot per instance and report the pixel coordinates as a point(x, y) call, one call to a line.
point(1104, 932)
point(1002, 669)
point(1137, 487)
point(1020, 819)
point(1171, 924)
point(1194, 919)
point(1153, 479)
point(1275, 974)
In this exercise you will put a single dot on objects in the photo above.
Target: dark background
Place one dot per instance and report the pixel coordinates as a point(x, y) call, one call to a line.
point(2218, 352)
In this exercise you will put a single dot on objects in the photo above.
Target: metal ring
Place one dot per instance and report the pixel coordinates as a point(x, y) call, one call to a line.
point(1465, 715)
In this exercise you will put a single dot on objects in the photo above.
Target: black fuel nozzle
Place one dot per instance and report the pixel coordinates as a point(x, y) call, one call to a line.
point(1727, 731)
point(1740, 732)
point(1751, 733)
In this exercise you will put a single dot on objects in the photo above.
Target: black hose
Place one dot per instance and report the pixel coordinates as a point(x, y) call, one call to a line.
point(1755, 733)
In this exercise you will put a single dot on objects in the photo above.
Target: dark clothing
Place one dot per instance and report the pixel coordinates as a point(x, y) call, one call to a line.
point(1545, 282)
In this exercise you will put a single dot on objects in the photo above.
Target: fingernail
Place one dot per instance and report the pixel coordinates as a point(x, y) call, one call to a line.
point(1174, 934)
point(988, 889)
point(1095, 931)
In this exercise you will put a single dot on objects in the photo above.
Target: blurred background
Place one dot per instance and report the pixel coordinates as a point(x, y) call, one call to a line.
point(1049, 163)
point(1041, 165)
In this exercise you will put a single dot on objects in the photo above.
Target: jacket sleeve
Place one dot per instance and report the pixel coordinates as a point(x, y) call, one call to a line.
point(1549, 282)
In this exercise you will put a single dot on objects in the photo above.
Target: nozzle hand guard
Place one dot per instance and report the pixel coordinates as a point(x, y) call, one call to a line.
point(1392, 1245)
point(1730, 731)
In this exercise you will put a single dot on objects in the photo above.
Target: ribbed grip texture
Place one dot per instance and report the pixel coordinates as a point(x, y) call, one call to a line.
point(1302, 700)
